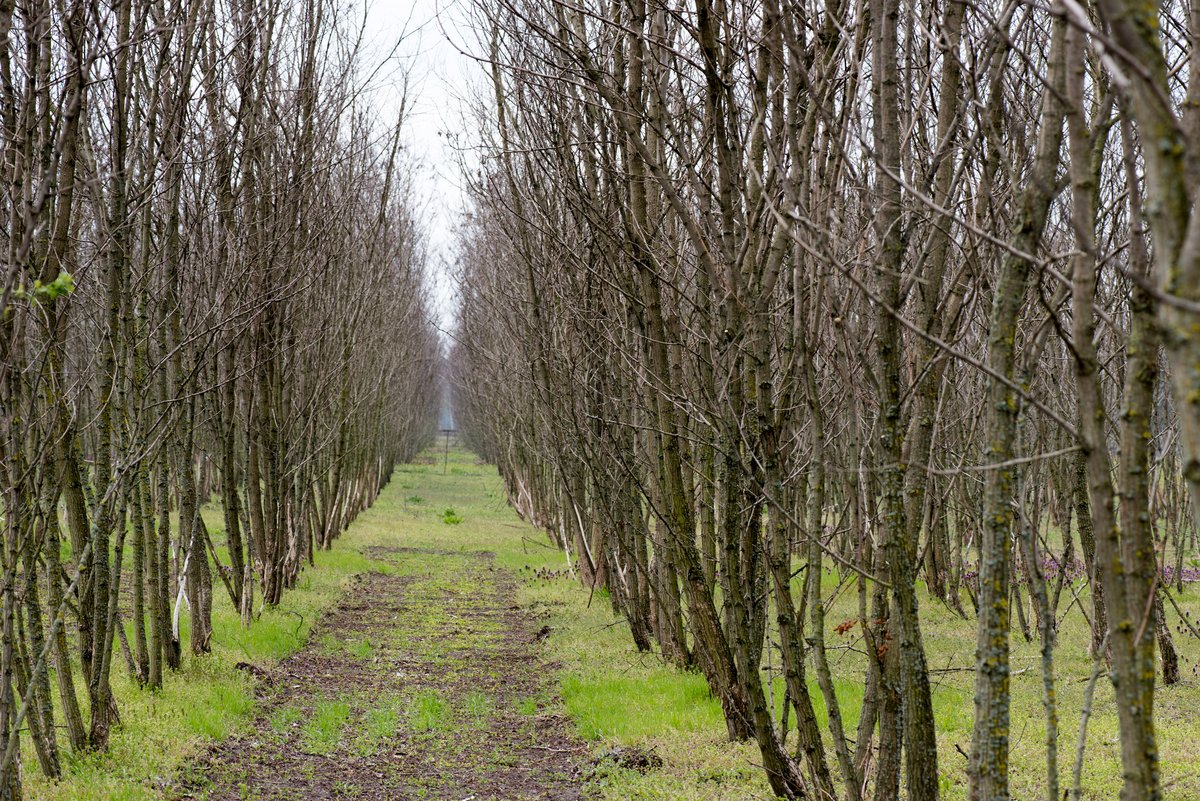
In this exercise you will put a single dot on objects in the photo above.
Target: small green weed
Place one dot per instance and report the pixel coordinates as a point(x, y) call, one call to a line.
point(450, 518)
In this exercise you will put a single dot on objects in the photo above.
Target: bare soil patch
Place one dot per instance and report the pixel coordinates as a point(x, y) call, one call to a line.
point(423, 684)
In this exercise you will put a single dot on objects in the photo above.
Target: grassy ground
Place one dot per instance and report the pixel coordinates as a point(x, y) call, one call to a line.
point(614, 695)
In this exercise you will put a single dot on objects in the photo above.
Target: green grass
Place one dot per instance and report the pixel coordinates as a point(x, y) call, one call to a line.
point(323, 731)
point(357, 647)
point(379, 725)
point(216, 710)
point(428, 710)
point(478, 707)
point(630, 707)
point(360, 648)
point(285, 718)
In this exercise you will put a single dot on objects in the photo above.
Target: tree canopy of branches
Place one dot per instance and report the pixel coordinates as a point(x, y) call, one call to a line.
point(212, 286)
point(756, 288)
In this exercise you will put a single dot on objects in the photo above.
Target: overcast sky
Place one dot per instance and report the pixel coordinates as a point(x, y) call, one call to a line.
point(426, 36)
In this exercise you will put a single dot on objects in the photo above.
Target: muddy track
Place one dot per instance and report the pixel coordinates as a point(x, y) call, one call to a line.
point(425, 682)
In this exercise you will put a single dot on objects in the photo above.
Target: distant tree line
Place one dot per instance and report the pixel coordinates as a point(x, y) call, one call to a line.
point(212, 290)
point(754, 288)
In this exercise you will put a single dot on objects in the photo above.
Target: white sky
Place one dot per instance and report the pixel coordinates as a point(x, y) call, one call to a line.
point(426, 37)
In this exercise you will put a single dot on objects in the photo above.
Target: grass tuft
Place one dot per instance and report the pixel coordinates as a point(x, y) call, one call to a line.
point(284, 718)
point(428, 711)
point(323, 731)
point(478, 707)
point(379, 726)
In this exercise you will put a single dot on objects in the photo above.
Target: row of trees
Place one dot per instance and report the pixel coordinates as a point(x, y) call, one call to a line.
point(754, 287)
point(212, 286)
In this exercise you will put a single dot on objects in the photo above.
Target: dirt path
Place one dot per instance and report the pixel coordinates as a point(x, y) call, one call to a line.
point(424, 683)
